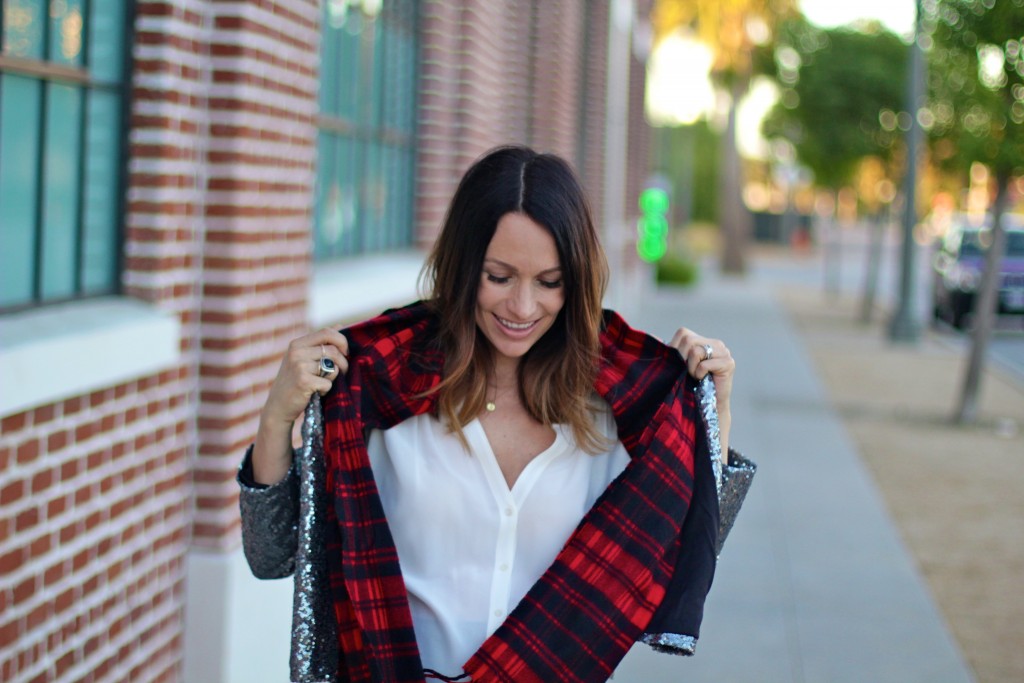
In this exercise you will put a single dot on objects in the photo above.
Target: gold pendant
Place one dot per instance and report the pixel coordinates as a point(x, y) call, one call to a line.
point(490, 406)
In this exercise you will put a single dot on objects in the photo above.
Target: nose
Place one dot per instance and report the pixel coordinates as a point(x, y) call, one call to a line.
point(523, 302)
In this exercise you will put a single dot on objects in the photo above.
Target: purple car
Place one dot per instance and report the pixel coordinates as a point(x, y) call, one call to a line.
point(960, 262)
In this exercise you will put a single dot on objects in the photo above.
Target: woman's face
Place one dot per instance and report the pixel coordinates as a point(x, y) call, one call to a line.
point(521, 290)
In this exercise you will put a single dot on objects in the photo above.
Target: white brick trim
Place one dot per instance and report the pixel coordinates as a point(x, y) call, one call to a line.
point(67, 350)
point(362, 287)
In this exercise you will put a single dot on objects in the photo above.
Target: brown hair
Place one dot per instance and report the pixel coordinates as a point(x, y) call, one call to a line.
point(556, 375)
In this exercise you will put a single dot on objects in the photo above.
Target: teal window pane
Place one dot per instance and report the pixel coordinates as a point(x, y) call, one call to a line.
point(59, 245)
point(19, 182)
point(368, 81)
point(328, 209)
point(374, 199)
point(106, 40)
point(67, 26)
point(347, 76)
point(347, 163)
point(23, 28)
point(101, 193)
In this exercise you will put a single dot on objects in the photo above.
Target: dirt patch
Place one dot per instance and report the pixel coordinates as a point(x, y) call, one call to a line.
point(955, 492)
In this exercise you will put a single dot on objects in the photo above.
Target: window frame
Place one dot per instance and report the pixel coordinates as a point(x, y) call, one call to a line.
point(378, 132)
point(48, 72)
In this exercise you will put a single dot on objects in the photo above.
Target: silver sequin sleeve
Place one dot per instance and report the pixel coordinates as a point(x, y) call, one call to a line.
point(270, 516)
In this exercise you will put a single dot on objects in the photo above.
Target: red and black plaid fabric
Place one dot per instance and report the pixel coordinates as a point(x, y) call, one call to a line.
point(582, 616)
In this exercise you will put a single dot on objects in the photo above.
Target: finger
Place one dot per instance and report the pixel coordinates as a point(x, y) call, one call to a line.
point(331, 337)
point(322, 385)
point(718, 367)
point(678, 337)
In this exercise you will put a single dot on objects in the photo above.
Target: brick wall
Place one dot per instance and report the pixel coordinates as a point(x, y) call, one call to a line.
point(259, 194)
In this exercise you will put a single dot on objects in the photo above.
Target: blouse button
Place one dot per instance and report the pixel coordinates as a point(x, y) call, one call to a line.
point(509, 512)
point(498, 612)
point(503, 567)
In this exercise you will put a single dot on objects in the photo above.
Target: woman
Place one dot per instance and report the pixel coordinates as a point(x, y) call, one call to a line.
point(516, 477)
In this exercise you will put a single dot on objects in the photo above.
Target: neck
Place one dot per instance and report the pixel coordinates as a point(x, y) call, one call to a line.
point(506, 373)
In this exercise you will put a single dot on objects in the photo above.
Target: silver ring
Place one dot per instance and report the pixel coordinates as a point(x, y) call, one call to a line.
point(708, 352)
point(326, 364)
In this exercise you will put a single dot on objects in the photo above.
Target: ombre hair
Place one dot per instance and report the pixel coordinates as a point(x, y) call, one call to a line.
point(556, 376)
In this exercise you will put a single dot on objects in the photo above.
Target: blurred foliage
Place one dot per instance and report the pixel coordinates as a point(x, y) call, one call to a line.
point(677, 270)
point(688, 156)
point(732, 29)
point(976, 84)
point(841, 95)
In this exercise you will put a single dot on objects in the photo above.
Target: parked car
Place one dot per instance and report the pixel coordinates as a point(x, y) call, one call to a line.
point(959, 263)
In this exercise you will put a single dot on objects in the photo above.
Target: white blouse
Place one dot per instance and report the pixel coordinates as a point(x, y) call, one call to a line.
point(469, 547)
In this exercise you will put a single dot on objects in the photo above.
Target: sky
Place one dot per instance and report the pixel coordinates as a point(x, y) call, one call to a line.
point(897, 15)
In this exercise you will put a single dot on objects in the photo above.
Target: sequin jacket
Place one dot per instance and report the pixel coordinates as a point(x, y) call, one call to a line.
point(638, 566)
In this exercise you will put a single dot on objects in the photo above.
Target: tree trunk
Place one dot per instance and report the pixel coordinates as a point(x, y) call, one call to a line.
point(985, 308)
point(733, 217)
point(876, 231)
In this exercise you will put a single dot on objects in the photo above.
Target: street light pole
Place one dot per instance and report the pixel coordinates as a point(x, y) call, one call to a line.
point(905, 325)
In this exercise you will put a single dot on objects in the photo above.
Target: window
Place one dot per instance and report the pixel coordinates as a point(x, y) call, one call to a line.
point(364, 195)
point(61, 73)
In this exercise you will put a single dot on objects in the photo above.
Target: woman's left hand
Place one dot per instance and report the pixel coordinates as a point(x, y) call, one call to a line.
point(704, 355)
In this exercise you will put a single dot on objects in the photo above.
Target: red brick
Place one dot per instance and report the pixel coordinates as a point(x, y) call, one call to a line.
point(36, 617)
point(13, 423)
point(8, 636)
point(42, 481)
point(57, 441)
point(12, 492)
point(64, 663)
point(56, 506)
point(53, 574)
point(68, 533)
point(85, 431)
point(9, 562)
point(69, 470)
point(65, 600)
point(79, 560)
point(40, 547)
point(26, 520)
point(95, 459)
point(73, 406)
point(83, 495)
point(28, 451)
point(43, 415)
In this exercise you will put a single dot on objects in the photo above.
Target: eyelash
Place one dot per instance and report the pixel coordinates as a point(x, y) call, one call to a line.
point(548, 284)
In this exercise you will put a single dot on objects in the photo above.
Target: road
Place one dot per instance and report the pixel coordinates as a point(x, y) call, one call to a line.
point(841, 267)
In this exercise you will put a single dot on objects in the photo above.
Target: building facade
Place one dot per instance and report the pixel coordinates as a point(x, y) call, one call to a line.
point(186, 186)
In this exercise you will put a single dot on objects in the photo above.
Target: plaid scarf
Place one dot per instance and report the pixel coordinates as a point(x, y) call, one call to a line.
point(605, 586)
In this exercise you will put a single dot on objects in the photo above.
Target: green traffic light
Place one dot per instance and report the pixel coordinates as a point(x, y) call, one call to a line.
point(654, 200)
point(652, 228)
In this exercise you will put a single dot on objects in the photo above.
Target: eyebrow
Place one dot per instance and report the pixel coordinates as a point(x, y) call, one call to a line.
point(549, 271)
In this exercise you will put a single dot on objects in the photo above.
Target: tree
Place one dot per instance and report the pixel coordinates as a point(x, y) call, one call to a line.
point(839, 109)
point(976, 114)
point(841, 99)
point(732, 29)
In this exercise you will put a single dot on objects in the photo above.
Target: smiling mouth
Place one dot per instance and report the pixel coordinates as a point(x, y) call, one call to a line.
point(518, 327)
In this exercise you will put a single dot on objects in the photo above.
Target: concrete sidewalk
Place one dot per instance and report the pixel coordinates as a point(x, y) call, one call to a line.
point(814, 584)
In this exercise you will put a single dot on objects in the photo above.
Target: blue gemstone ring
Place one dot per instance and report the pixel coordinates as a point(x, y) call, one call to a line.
point(327, 366)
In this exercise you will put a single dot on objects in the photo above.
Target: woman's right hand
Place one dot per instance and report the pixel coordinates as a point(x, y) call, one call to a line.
point(299, 375)
point(297, 378)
